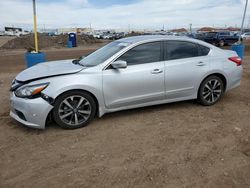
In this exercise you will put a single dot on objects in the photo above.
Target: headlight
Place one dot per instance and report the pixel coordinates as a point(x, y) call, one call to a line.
point(30, 91)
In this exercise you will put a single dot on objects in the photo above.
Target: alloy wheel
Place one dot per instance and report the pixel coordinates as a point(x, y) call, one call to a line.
point(212, 91)
point(74, 110)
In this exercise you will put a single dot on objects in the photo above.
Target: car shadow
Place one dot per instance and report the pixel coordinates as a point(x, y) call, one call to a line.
point(52, 126)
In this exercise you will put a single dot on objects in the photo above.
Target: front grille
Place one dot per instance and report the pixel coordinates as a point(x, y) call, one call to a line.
point(20, 115)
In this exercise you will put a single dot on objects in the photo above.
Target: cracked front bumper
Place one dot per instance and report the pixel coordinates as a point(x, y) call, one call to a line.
point(30, 112)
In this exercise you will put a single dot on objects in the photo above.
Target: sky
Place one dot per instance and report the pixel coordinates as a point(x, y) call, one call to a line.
point(124, 14)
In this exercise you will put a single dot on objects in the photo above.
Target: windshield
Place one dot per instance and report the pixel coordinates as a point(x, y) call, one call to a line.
point(102, 54)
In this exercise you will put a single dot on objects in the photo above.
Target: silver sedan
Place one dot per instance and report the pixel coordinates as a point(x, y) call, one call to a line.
point(128, 73)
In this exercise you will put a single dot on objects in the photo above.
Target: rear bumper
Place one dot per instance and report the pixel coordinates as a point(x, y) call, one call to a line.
point(30, 112)
point(235, 78)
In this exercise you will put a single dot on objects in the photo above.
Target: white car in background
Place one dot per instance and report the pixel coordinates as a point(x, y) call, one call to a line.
point(246, 36)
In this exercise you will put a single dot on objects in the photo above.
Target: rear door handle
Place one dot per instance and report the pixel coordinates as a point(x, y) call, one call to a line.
point(200, 64)
point(156, 71)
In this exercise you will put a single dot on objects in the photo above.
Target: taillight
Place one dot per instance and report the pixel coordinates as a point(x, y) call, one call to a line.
point(236, 60)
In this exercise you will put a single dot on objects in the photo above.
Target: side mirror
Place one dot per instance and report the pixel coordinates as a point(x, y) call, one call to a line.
point(119, 64)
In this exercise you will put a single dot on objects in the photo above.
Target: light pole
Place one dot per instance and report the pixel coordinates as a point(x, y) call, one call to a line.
point(37, 57)
point(243, 19)
point(190, 27)
point(35, 26)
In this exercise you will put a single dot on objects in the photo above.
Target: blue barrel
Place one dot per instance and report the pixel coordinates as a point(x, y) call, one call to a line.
point(239, 49)
point(72, 38)
point(34, 58)
point(69, 44)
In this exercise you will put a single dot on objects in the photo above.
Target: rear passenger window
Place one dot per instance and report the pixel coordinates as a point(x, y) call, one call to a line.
point(180, 50)
point(204, 50)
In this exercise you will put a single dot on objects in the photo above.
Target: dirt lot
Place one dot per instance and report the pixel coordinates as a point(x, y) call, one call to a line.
point(45, 41)
point(173, 145)
point(4, 39)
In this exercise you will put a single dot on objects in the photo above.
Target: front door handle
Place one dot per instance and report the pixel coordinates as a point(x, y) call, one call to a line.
point(156, 71)
point(200, 64)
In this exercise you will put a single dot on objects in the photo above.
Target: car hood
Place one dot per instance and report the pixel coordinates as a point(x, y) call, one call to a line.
point(48, 69)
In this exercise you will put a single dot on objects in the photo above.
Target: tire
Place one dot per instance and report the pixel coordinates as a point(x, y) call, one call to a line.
point(211, 90)
point(221, 43)
point(74, 109)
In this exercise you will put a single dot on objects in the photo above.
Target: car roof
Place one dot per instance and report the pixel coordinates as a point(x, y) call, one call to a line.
point(146, 38)
point(142, 38)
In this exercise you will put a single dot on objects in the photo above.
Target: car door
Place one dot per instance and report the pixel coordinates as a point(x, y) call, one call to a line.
point(141, 82)
point(228, 38)
point(186, 64)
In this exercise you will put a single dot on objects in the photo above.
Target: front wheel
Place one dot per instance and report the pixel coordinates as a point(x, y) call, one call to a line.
point(211, 91)
point(74, 109)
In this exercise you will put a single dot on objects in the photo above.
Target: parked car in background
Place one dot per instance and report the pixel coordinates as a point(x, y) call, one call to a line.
point(246, 36)
point(128, 73)
point(98, 35)
point(190, 35)
point(220, 38)
point(113, 36)
point(119, 35)
point(199, 36)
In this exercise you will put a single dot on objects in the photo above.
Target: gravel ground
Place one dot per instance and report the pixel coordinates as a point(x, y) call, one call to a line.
point(4, 39)
point(173, 145)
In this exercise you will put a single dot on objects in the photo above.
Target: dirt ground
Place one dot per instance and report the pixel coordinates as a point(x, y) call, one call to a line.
point(4, 39)
point(45, 41)
point(173, 145)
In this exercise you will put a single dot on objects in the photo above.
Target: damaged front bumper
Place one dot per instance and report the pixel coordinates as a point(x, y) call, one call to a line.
point(30, 112)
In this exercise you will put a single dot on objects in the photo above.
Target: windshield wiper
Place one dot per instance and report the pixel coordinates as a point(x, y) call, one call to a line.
point(76, 61)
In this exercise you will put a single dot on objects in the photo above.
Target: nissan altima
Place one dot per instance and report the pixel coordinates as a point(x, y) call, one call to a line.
point(128, 73)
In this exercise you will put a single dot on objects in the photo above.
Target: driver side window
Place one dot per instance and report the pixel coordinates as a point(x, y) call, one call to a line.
point(144, 53)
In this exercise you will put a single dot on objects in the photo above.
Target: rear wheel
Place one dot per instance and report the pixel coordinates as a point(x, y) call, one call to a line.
point(221, 43)
point(211, 91)
point(74, 109)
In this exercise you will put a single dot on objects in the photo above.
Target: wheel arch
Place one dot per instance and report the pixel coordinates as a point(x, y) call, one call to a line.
point(82, 90)
point(220, 75)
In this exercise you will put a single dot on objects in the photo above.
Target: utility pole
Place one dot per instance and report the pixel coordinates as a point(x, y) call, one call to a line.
point(190, 27)
point(35, 26)
point(243, 19)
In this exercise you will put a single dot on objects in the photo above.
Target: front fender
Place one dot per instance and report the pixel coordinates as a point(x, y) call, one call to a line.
point(91, 83)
